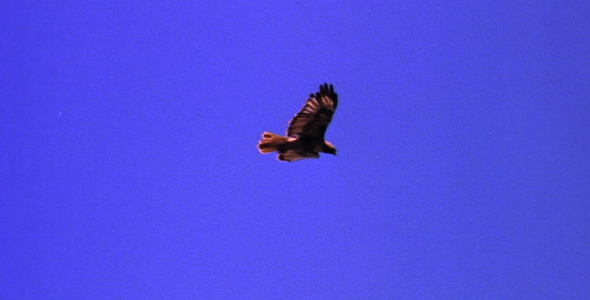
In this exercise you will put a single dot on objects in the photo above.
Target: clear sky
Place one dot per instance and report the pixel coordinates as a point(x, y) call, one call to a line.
point(129, 168)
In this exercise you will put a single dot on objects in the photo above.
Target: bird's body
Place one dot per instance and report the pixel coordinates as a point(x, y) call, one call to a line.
point(305, 135)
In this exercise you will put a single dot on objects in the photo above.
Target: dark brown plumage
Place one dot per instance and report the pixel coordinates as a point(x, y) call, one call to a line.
point(305, 135)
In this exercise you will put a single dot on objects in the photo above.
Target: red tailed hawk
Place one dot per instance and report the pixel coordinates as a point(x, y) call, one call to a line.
point(305, 135)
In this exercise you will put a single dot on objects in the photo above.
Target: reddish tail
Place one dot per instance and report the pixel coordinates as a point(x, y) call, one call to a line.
point(271, 142)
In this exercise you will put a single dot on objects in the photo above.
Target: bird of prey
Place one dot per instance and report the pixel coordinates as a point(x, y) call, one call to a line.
point(305, 135)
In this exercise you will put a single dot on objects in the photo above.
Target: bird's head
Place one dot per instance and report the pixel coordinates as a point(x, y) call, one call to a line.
point(329, 148)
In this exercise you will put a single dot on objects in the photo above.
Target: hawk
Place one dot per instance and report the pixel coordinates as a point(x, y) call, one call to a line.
point(305, 135)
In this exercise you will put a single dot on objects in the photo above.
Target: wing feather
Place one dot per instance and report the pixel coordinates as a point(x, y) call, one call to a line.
point(296, 154)
point(316, 114)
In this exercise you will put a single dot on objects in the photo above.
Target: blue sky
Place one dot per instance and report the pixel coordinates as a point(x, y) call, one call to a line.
point(129, 167)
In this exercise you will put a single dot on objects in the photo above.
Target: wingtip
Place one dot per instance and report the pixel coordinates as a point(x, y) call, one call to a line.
point(327, 88)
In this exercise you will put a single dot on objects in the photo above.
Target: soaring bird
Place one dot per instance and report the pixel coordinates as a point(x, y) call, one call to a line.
point(305, 135)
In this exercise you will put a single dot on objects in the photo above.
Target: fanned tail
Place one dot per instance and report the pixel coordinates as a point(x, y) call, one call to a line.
point(271, 142)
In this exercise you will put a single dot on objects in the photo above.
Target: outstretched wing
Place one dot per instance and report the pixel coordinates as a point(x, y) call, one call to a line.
point(314, 118)
point(296, 154)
